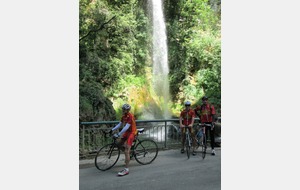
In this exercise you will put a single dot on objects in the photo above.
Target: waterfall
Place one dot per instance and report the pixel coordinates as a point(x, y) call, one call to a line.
point(160, 58)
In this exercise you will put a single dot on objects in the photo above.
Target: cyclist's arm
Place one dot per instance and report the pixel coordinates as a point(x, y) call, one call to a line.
point(124, 129)
point(117, 126)
point(213, 117)
point(192, 123)
point(180, 121)
point(196, 112)
point(213, 122)
point(213, 113)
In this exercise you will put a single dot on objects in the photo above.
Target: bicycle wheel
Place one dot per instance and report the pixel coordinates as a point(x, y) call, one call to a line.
point(203, 145)
point(198, 139)
point(145, 151)
point(188, 146)
point(107, 157)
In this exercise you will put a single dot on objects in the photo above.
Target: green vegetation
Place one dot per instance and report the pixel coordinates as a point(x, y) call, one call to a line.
point(115, 55)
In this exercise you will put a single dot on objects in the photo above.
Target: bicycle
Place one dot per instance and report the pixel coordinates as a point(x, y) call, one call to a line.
point(188, 141)
point(144, 151)
point(201, 139)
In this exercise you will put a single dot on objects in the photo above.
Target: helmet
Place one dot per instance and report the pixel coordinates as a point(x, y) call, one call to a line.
point(187, 103)
point(126, 107)
point(204, 98)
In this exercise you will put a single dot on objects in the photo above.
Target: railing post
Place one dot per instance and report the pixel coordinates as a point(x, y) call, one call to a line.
point(83, 129)
point(165, 134)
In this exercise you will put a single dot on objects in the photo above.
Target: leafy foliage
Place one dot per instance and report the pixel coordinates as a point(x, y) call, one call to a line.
point(195, 51)
point(115, 55)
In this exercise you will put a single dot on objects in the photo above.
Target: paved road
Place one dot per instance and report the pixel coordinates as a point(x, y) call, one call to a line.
point(171, 170)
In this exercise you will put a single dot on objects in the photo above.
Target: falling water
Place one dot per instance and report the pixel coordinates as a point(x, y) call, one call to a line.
point(160, 57)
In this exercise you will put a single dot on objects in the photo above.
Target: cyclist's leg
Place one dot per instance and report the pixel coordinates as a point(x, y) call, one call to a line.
point(182, 139)
point(128, 139)
point(120, 143)
point(128, 143)
point(206, 136)
point(193, 140)
point(212, 138)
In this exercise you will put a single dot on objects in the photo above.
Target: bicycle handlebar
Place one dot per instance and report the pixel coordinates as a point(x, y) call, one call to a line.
point(205, 124)
point(107, 133)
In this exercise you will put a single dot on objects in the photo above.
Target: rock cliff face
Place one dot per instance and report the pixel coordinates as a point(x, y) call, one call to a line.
point(102, 111)
point(106, 111)
point(94, 106)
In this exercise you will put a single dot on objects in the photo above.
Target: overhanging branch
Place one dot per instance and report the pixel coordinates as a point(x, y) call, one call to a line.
point(100, 28)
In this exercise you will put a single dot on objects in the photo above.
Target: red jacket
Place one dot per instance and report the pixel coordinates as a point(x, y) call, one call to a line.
point(187, 116)
point(205, 112)
point(129, 118)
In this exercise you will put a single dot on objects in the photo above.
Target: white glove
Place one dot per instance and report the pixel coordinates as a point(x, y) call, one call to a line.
point(116, 136)
point(212, 126)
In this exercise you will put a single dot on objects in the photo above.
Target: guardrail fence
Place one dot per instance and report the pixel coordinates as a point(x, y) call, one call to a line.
point(165, 132)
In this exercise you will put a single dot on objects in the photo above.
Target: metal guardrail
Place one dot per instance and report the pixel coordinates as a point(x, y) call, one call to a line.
point(165, 132)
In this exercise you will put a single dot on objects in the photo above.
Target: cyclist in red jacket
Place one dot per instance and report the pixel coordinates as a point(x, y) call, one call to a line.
point(127, 135)
point(187, 117)
point(206, 113)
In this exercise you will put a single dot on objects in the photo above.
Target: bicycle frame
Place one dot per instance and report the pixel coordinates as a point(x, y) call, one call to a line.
point(122, 148)
point(188, 141)
point(201, 139)
point(133, 147)
point(144, 151)
point(188, 137)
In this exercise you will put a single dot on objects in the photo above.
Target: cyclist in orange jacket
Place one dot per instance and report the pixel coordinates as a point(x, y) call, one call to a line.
point(127, 135)
point(206, 113)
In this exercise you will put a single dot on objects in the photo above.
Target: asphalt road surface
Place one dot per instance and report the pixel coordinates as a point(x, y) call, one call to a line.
point(170, 170)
